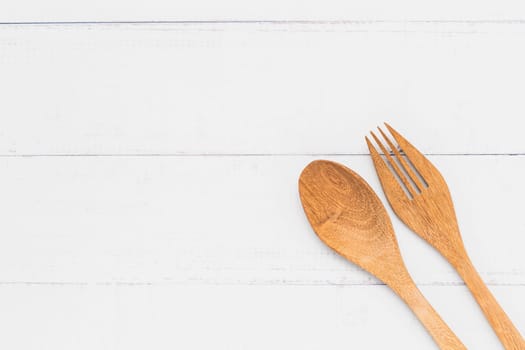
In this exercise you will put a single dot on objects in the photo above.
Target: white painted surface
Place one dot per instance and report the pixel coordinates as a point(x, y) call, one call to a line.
point(148, 172)
point(238, 10)
point(259, 88)
point(235, 317)
point(225, 220)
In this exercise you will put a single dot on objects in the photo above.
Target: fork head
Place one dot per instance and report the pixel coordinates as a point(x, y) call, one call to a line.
point(416, 191)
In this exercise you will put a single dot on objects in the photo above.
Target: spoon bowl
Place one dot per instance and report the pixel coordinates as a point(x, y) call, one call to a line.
point(348, 216)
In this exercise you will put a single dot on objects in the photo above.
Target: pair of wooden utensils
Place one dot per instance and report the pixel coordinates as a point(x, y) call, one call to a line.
point(348, 216)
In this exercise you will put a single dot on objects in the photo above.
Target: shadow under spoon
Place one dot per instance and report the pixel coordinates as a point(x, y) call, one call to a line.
point(348, 216)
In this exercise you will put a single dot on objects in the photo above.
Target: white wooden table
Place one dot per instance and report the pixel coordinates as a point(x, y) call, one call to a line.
point(149, 156)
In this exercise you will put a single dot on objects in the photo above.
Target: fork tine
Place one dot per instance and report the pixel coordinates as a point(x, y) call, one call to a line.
point(420, 162)
point(391, 186)
point(403, 162)
point(398, 171)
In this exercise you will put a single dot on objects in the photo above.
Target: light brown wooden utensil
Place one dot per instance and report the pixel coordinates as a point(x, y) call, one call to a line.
point(420, 197)
point(348, 216)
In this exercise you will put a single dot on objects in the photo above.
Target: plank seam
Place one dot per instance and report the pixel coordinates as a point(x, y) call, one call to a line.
point(193, 283)
point(269, 21)
point(147, 155)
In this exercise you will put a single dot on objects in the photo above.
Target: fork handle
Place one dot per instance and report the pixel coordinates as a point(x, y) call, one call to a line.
point(507, 333)
point(438, 329)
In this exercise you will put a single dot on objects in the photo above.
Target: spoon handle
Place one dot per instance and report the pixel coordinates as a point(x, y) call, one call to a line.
point(507, 333)
point(438, 329)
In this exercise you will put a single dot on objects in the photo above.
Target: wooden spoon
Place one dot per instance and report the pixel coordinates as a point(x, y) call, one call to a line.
point(348, 216)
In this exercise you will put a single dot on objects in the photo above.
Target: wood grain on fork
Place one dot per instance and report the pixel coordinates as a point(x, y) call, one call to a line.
point(430, 213)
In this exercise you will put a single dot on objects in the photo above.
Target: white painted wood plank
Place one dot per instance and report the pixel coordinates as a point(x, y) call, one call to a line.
point(237, 317)
point(226, 220)
point(260, 88)
point(134, 10)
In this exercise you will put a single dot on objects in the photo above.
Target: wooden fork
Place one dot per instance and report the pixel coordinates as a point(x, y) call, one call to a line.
point(420, 197)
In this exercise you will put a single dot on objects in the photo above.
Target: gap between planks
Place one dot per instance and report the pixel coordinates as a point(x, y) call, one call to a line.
point(266, 283)
point(270, 21)
point(146, 155)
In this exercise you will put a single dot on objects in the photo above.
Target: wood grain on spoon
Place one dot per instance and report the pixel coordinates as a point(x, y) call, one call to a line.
point(348, 216)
